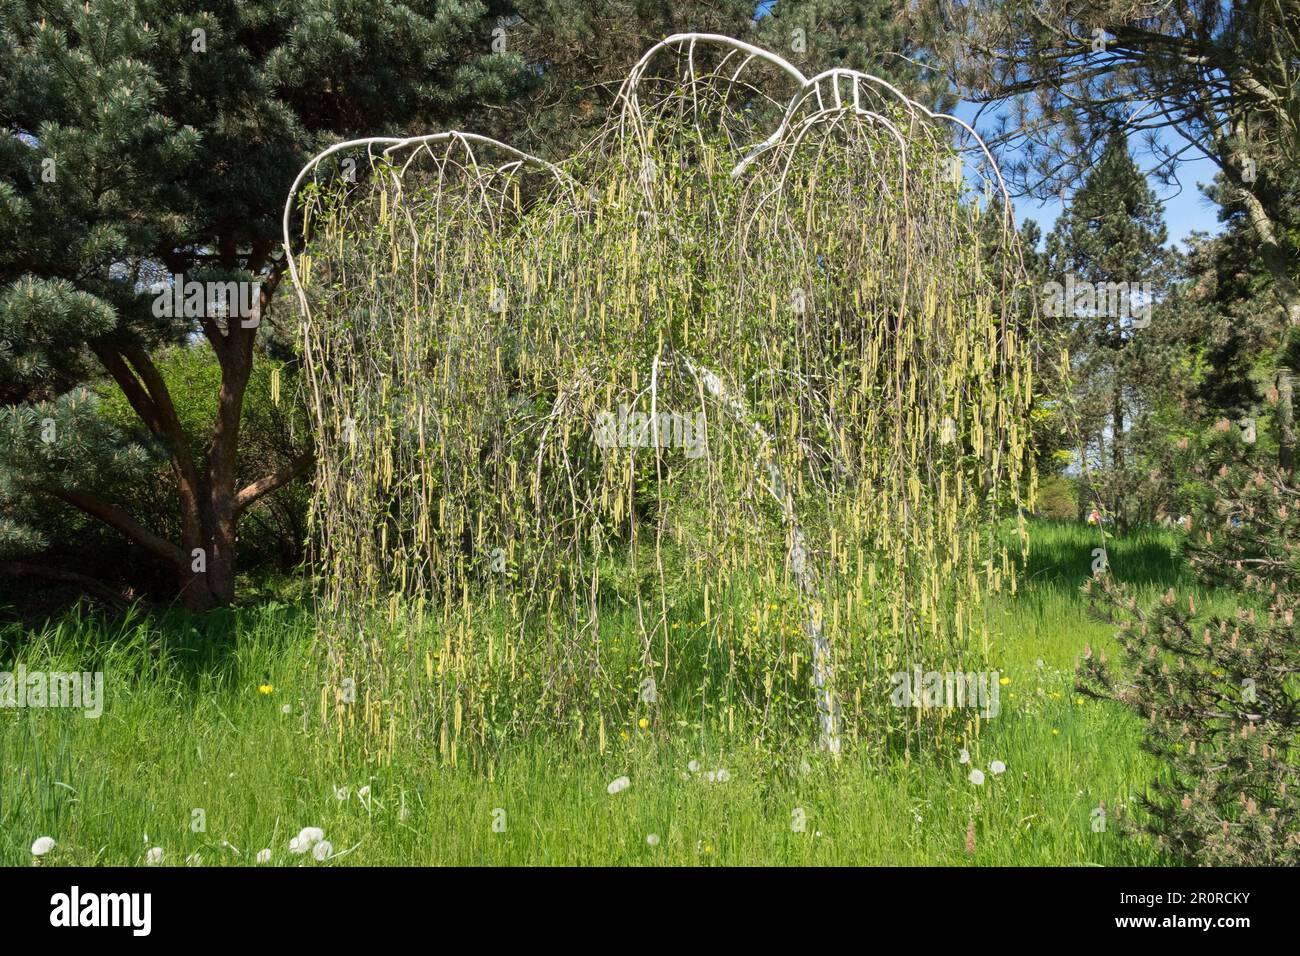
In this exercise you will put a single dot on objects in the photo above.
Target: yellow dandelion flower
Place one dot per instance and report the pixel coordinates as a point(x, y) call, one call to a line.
point(1004, 681)
point(1079, 701)
point(643, 723)
point(265, 688)
point(623, 734)
point(1055, 732)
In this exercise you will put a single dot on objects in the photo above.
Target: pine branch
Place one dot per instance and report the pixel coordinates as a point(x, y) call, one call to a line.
point(120, 521)
point(277, 479)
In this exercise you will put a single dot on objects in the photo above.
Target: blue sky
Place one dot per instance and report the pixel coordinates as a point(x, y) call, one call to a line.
point(1186, 208)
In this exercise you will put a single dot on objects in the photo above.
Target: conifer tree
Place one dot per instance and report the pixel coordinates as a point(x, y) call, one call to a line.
point(150, 139)
point(1220, 694)
point(1107, 262)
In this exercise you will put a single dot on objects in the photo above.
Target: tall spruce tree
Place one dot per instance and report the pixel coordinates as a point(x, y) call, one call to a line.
point(1107, 260)
point(149, 139)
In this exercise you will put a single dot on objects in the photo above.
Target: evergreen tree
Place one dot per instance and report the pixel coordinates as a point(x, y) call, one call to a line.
point(149, 139)
point(582, 52)
point(1220, 694)
point(1107, 264)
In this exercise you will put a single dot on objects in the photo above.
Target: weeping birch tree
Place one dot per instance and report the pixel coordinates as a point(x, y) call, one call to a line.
point(708, 420)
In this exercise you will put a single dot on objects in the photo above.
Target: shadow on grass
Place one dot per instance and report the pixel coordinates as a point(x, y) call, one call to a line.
point(1062, 554)
point(173, 644)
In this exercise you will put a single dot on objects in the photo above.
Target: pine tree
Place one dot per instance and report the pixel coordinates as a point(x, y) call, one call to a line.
point(582, 52)
point(146, 139)
point(1220, 694)
point(1106, 253)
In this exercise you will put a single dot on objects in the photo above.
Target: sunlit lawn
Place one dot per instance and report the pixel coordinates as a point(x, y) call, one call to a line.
point(191, 757)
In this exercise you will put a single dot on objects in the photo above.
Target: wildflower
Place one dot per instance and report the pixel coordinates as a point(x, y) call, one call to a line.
point(652, 839)
point(322, 850)
point(643, 723)
point(264, 856)
point(1055, 732)
point(1078, 701)
point(307, 838)
point(264, 689)
point(154, 856)
point(619, 785)
point(341, 793)
point(997, 767)
point(1004, 681)
point(363, 792)
point(964, 756)
point(977, 777)
point(286, 709)
point(42, 846)
point(693, 766)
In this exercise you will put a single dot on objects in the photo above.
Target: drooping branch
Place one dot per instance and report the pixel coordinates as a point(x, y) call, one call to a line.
point(802, 568)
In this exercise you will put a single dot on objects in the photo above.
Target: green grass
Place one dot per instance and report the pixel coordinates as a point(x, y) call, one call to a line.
point(185, 728)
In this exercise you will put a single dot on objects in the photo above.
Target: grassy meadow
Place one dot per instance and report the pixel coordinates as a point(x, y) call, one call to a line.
point(203, 751)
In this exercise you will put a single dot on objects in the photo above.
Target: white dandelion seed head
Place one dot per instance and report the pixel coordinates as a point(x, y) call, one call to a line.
point(723, 775)
point(322, 850)
point(363, 792)
point(298, 846)
point(918, 818)
point(154, 856)
point(805, 767)
point(619, 785)
point(310, 835)
point(652, 839)
point(997, 767)
point(693, 766)
point(964, 756)
point(42, 846)
point(264, 856)
point(341, 793)
point(977, 777)
point(286, 709)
